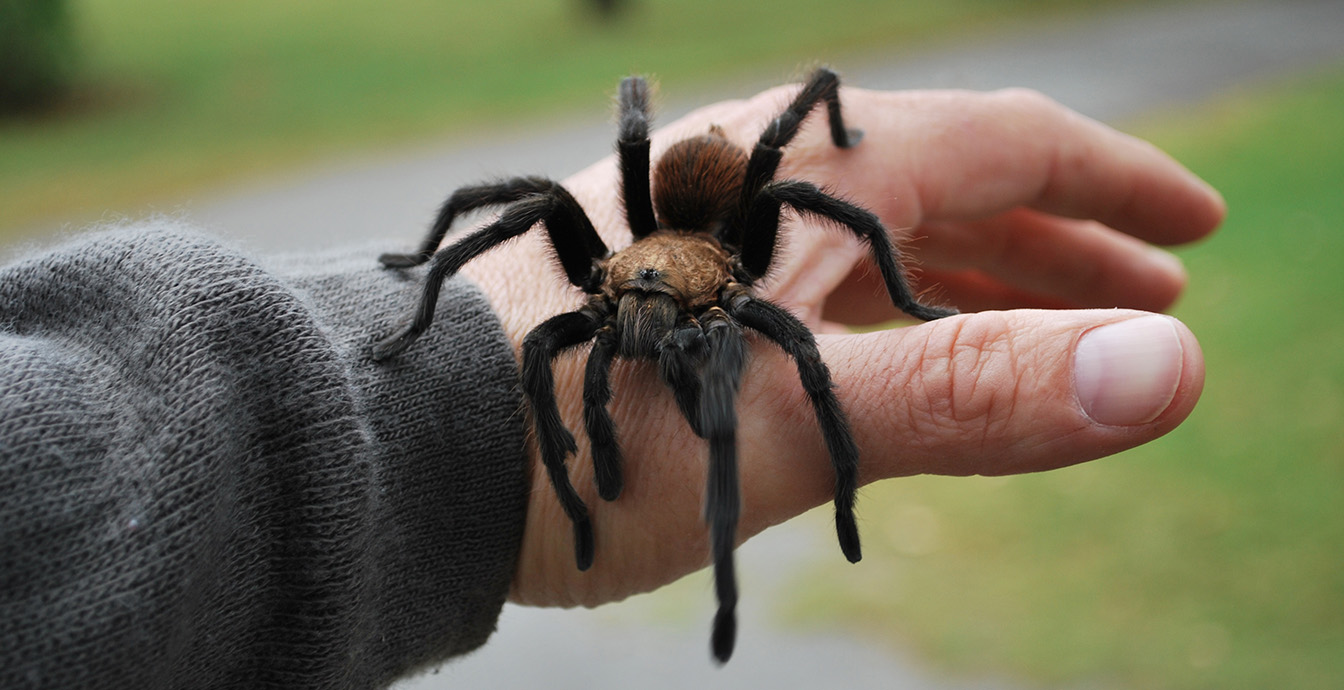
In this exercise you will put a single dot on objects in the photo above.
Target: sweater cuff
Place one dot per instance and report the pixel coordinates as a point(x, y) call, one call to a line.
point(451, 476)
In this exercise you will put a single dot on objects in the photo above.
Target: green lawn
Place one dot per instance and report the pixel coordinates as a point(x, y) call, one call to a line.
point(1209, 559)
point(182, 96)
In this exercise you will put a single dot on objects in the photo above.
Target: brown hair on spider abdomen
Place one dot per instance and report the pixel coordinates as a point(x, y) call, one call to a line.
point(698, 181)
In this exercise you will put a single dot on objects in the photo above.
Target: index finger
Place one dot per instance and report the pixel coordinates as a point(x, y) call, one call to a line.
point(979, 154)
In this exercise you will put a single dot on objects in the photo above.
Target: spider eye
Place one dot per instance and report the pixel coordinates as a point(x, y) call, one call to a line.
point(650, 274)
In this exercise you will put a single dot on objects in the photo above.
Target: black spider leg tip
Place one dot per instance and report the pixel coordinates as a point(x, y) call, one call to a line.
point(540, 348)
point(806, 198)
point(462, 201)
point(597, 421)
point(823, 85)
point(572, 236)
point(516, 220)
point(632, 147)
point(792, 336)
point(726, 358)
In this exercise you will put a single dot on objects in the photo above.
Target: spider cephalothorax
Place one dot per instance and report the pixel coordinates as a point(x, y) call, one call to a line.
point(705, 226)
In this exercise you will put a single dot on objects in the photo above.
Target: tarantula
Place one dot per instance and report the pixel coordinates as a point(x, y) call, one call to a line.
point(705, 228)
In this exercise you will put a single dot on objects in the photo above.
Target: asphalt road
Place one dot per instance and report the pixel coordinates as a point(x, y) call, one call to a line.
point(1112, 65)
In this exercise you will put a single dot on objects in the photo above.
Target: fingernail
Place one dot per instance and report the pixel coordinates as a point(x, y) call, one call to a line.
point(1126, 373)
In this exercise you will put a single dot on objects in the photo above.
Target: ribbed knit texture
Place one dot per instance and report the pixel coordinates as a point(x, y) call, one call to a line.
point(205, 482)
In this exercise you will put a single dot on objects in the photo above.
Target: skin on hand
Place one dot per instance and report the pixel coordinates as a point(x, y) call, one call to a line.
point(1002, 200)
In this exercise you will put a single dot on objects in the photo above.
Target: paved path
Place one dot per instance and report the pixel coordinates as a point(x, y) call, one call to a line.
point(1111, 66)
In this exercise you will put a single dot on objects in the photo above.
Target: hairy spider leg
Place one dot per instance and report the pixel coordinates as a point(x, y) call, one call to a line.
point(679, 359)
point(679, 362)
point(797, 341)
point(762, 230)
point(597, 422)
point(572, 235)
point(463, 200)
point(540, 348)
point(720, 379)
point(632, 145)
point(823, 85)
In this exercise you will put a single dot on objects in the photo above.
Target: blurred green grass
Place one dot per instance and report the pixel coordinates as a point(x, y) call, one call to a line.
point(1208, 559)
point(179, 96)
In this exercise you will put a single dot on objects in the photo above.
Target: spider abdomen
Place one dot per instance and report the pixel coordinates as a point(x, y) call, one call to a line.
point(698, 183)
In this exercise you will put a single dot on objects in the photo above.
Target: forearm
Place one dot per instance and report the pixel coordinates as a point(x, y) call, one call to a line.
point(206, 481)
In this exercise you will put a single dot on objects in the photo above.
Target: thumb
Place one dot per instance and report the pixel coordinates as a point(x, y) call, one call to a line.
point(999, 393)
point(1020, 391)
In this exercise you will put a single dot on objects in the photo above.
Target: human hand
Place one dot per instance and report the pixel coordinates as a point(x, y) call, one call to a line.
point(1007, 201)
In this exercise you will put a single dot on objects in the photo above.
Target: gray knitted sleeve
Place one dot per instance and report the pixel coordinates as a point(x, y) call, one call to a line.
point(205, 482)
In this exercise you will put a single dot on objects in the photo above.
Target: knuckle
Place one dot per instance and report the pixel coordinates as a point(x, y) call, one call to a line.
point(969, 378)
point(1026, 99)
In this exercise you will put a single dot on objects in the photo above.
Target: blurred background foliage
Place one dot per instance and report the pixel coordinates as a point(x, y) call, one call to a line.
point(1208, 559)
point(173, 96)
point(37, 54)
